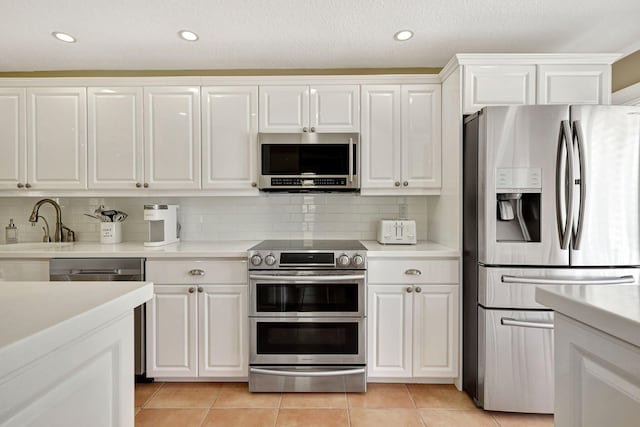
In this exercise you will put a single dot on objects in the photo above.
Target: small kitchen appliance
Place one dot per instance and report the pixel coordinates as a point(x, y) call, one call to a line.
point(307, 316)
point(397, 232)
point(163, 224)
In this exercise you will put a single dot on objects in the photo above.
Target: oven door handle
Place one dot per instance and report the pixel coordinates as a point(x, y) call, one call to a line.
point(336, 373)
point(306, 279)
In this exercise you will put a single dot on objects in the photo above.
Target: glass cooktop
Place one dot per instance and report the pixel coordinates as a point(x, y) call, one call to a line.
point(310, 245)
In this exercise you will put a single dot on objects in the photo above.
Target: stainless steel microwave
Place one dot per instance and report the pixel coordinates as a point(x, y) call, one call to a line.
point(293, 162)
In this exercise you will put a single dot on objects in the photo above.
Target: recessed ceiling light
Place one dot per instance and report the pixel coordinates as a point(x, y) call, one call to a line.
point(187, 35)
point(64, 37)
point(403, 35)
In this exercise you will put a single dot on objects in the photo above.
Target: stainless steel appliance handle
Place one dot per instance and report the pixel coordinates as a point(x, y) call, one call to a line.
point(350, 159)
point(306, 279)
point(559, 281)
point(507, 321)
point(109, 271)
point(308, 373)
point(579, 137)
point(564, 232)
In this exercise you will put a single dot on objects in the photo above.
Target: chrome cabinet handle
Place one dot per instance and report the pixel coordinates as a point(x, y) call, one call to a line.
point(138, 185)
point(145, 185)
point(200, 289)
point(20, 185)
point(312, 129)
point(397, 183)
point(406, 183)
point(304, 129)
point(254, 184)
point(27, 185)
point(413, 272)
point(579, 137)
point(197, 272)
point(507, 321)
point(409, 289)
point(418, 289)
point(192, 290)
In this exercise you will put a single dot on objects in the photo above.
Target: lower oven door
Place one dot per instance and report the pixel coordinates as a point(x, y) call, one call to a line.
point(308, 378)
point(308, 341)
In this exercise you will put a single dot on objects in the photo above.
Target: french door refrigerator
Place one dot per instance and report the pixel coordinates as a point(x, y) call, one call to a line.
point(550, 199)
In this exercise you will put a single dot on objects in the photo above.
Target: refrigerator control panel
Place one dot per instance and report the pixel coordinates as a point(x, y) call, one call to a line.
point(518, 178)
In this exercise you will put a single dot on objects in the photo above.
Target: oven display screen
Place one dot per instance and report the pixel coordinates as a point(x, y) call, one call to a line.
point(297, 258)
point(307, 338)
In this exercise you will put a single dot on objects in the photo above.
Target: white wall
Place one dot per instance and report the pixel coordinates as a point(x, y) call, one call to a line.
point(268, 216)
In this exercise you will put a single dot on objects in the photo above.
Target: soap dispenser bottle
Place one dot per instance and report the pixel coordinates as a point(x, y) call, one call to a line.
point(11, 232)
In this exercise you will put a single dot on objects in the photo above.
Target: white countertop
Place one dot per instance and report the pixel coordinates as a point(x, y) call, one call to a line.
point(223, 249)
point(614, 309)
point(37, 317)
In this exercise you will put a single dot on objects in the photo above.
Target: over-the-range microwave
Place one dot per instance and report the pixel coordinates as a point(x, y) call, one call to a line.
point(309, 162)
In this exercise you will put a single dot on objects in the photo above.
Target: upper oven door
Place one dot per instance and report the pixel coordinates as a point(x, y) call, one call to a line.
point(307, 293)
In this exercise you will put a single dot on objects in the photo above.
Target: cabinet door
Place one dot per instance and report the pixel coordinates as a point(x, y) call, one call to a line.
point(171, 332)
point(13, 161)
point(57, 138)
point(389, 331)
point(230, 138)
point(115, 138)
point(334, 108)
point(498, 85)
point(172, 138)
point(421, 140)
point(222, 331)
point(284, 109)
point(435, 331)
point(380, 152)
point(574, 84)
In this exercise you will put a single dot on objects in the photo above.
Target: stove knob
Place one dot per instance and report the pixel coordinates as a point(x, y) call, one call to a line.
point(343, 260)
point(270, 259)
point(358, 260)
point(256, 260)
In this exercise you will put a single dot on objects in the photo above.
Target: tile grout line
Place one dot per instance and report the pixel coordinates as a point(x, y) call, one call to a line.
point(144, 405)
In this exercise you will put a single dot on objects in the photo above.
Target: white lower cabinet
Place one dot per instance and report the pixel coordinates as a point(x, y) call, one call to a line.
point(24, 270)
point(197, 329)
point(413, 327)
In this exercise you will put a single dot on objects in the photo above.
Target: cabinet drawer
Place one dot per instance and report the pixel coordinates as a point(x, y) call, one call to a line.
point(424, 271)
point(187, 271)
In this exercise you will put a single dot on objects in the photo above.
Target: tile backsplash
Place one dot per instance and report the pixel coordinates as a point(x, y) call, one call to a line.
point(267, 216)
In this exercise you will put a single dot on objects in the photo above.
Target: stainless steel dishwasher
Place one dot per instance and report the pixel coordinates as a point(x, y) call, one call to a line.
point(108, 269)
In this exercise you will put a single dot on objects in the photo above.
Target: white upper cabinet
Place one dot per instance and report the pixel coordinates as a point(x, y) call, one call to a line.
point(56, 138)
point(13, 148)
point(401, 139)
point(320, 108)
point(172, 137)
point(229, 138)
point(574, 84)
point(115, 149)
point(486, 85)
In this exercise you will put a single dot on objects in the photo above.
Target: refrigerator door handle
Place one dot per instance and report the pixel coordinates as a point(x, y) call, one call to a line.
point(621, 280)
point(564, 232)
point(507, 321)
point(582, 180)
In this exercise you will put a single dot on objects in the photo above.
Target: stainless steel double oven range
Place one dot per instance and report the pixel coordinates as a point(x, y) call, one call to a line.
point(307, 316)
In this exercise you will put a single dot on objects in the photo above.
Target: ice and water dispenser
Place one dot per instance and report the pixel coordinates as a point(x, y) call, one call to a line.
point(518, 194)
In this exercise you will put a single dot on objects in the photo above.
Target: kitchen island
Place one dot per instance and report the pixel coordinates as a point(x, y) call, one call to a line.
point(597, 354)
point(66, 352)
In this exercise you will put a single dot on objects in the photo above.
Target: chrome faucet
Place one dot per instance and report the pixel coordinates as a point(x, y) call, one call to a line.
point(59, 235)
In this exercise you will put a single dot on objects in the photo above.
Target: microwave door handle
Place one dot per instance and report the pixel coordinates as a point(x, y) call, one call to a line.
point(339, 372)
point(350, 160)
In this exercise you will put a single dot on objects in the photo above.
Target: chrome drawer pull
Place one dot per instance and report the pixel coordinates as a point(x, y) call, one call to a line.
point(197, 272)
point(507, 321)
point(413, 272)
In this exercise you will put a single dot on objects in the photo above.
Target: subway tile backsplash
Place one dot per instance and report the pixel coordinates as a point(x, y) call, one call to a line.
point(267, 216)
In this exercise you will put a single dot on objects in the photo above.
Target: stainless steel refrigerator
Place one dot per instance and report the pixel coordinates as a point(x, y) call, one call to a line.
point(551, 198)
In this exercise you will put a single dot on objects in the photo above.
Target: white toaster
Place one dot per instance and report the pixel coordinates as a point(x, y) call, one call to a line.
point(397, 232)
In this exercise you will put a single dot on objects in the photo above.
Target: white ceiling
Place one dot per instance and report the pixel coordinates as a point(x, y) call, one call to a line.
point(141, 34)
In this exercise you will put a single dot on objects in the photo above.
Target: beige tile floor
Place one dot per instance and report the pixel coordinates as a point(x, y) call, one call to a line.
point(385, 405)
